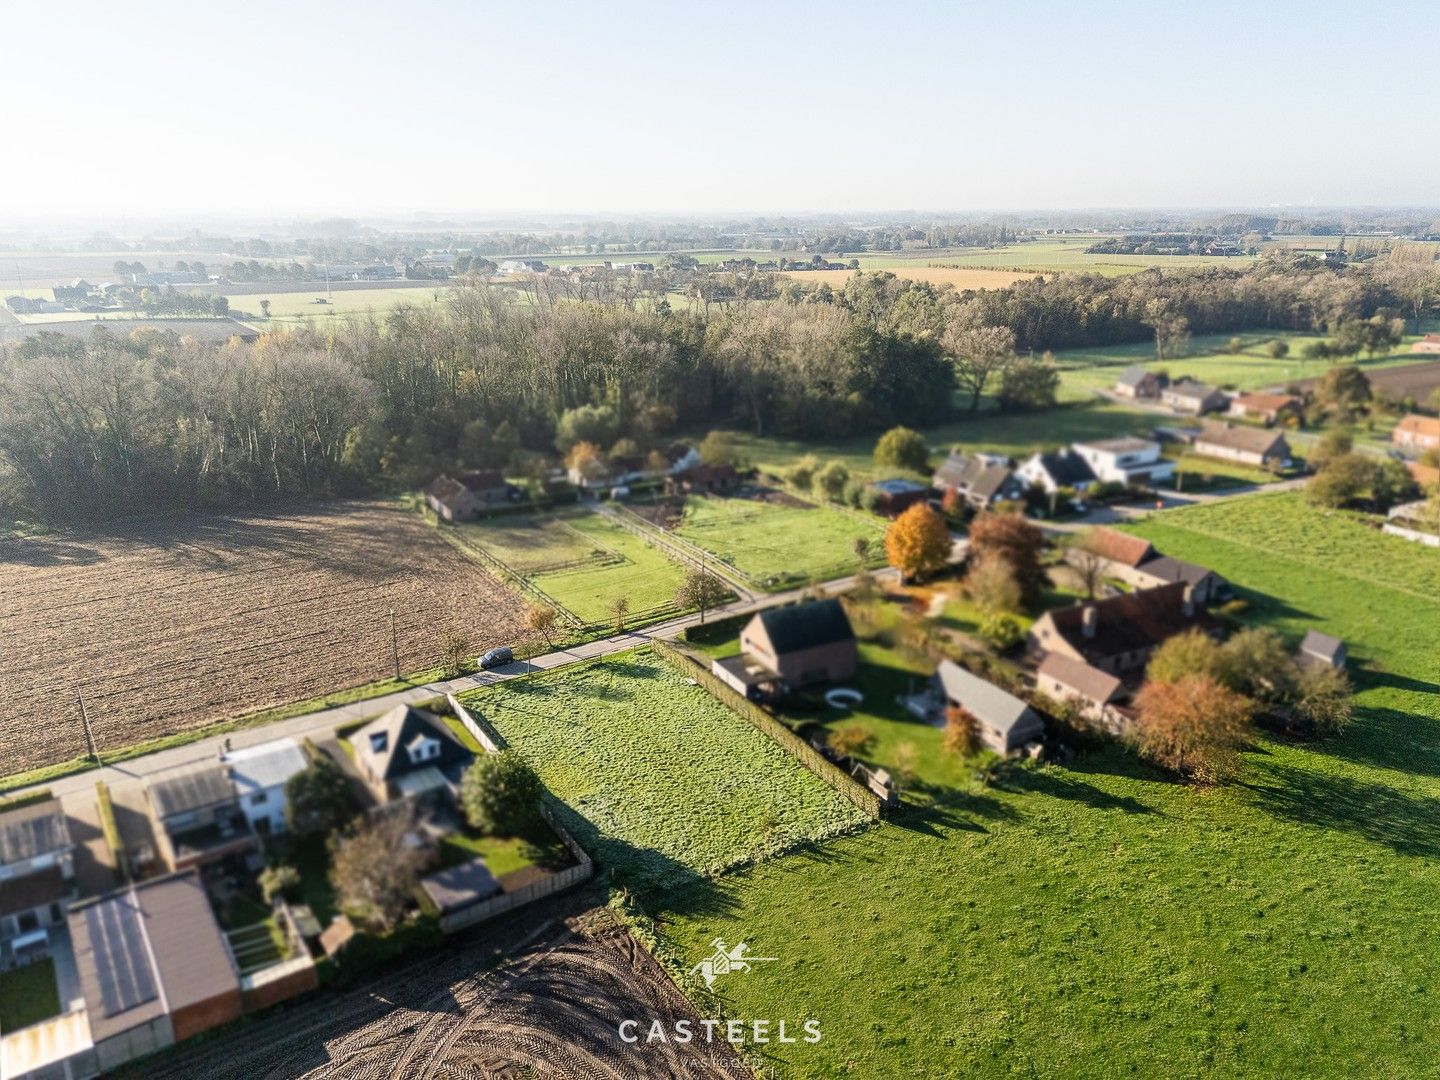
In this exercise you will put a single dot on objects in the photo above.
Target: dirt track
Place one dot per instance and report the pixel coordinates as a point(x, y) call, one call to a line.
point(550, 1013)
point(172, 625)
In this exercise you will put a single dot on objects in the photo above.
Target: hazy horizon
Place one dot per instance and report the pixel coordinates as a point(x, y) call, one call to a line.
point(357, 110)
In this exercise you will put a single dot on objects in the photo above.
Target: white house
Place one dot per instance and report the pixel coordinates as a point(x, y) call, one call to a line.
point(1130, 461)
point(1057, 469)
point(259, 774)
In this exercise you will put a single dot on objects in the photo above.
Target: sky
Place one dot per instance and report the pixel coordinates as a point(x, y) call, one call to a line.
point(363, 108)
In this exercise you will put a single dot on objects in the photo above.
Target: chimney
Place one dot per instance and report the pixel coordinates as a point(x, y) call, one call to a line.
point(1187, 605)
point(1089, 619)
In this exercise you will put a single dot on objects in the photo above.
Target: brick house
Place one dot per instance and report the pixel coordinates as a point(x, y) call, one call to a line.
point(1415, 434)
point(1119, 634)
point(466, 496)
point(803, 643)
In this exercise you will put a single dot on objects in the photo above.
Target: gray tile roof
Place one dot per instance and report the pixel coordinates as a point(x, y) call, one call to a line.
point(401, 727)
point(32, 830)
point(985, 701)
point(190, 787)
point(1088, 682)
point(804, 626)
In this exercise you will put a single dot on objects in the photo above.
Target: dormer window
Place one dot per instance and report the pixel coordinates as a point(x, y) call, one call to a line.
point(379, 742)
point(423, 749)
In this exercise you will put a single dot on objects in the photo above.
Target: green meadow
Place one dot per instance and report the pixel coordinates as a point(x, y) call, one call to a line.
point(1100, 920)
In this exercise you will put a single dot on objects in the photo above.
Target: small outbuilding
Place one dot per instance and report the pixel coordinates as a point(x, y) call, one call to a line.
point(1004, 722)
point(1321, 650)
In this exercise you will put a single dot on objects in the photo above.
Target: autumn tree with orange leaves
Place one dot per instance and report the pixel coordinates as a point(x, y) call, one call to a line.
point(1193, 726)
point(917, 542)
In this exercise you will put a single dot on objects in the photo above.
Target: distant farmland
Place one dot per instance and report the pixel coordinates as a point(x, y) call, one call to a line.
point(167, 626)
point(962, 277)
point(1413, 380)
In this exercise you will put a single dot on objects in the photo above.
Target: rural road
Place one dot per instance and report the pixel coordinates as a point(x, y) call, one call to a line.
point(324, 721)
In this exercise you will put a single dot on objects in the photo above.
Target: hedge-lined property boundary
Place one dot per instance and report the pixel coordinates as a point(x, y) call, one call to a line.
point(694, 667)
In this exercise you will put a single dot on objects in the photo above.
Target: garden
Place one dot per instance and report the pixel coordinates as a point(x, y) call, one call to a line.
point(660, 782)
point(778, 544)
point(28, 995)
point(583, 562)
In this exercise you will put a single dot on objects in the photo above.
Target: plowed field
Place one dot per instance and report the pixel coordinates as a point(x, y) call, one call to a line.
point(172, 625)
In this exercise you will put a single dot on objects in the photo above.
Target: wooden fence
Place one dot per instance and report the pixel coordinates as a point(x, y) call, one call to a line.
point(690, 665)
point(583, 869)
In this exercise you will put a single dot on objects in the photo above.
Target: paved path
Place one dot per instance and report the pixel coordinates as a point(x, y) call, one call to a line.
point(323, 722)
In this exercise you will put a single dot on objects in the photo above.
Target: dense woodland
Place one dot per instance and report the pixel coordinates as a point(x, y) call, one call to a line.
point(120, 423)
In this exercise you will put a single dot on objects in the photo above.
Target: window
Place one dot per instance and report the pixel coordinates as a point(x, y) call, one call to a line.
point(260, 798)
point(379, 740)
point(27, 922)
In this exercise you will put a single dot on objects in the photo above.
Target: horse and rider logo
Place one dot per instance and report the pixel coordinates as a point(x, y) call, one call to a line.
point(725, 960)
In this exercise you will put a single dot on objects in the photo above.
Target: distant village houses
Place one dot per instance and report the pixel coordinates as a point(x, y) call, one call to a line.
point(1128, 460)
point(978, 480)
point(1194, 398)
point(1259, 447)
point(1416, 434)
point(1267, 408)
point(1141, 384)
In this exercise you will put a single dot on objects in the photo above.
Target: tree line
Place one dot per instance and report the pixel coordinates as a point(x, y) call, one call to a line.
point(98, 427)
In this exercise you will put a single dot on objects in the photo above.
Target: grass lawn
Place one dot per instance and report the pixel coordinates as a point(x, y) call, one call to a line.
point(657, 780)
point(1013, 434)
point(502, 854)
point(645, 577)
point(28, 995)
point(582, 561)
point(778, 547)
point(1101, 921)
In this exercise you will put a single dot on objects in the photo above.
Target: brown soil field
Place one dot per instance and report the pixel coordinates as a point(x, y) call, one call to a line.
point(1418, 380)
point(962, 277)
point(167, 626)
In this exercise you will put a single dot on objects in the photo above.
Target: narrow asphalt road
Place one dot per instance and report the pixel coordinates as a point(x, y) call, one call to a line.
point(323, 722)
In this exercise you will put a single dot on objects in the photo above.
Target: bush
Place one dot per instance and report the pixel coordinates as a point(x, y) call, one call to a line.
point(902, 448)
point(851, 739)
point(962, 732)
point(1002, 631)
point(279, 880)
point(1110, 489)
point(501, 794)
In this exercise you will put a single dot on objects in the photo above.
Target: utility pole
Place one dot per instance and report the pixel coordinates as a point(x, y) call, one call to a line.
point(394, 643)
point(85, 724)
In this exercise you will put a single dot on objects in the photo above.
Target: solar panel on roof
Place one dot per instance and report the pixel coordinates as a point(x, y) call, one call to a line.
point(122, 963)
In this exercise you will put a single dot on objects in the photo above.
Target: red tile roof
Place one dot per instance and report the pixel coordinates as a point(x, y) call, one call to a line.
point(1119, 547)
